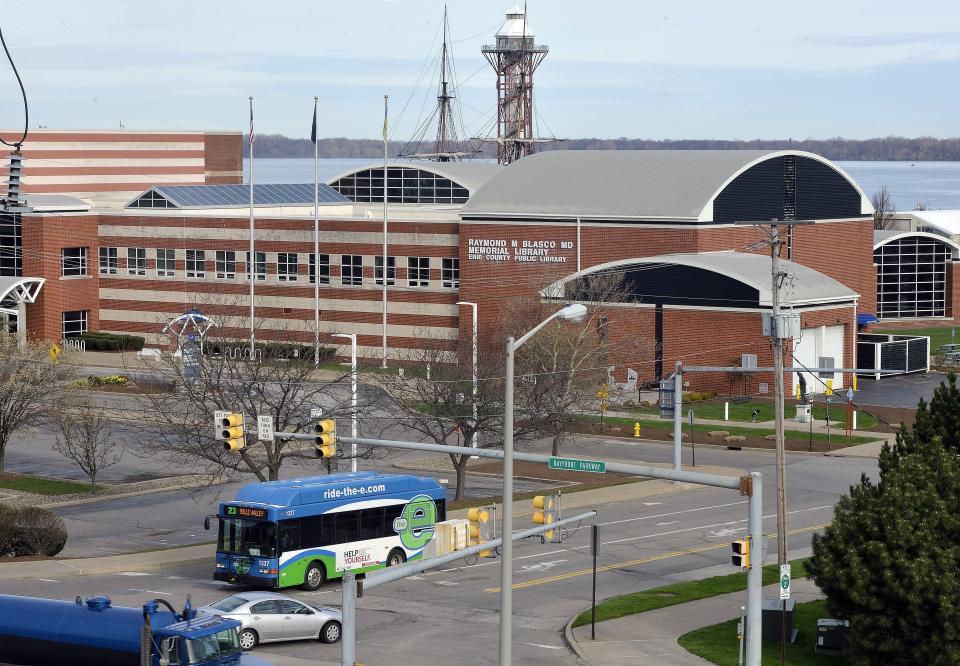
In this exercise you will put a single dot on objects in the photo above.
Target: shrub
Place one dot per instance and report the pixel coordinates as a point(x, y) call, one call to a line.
point(694, 396)
point(115, 379)
point(31, 531)
point(112, 342)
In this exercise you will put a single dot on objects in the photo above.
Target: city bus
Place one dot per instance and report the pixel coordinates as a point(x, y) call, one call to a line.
point(305, 531)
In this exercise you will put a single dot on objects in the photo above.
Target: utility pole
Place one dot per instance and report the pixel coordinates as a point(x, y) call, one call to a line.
point(778, 333)
point(778, 397)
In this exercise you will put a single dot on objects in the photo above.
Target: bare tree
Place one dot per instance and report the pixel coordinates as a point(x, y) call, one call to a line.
point(561, 367)
point(280, 382)
point(85, 436)
point(920, 205)
point(883, 209)
point(32, 385)
point(440, 407)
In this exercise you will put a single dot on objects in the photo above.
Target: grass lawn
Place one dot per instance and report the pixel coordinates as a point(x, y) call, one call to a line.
point(42, 486)
point(938, 336)
point(681, 593)
point(837, 439)
point(718, 644)
point(743, 411)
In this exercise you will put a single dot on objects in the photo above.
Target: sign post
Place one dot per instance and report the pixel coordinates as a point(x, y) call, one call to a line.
point(784, 596)
point(693, 447)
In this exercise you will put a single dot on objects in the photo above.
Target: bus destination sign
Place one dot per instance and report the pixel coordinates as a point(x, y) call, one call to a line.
point(245, 512)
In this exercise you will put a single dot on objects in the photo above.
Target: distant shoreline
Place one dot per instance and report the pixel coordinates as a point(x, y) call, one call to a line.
point(888, 149)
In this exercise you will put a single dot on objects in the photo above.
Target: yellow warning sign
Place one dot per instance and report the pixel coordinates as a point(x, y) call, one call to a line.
point(54, 351)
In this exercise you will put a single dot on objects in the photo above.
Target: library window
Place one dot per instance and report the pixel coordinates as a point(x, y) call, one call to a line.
point(73, 261)
point(74, 323)
point(287, 266)
point(418, 271)
point(351, 269)
point(136, 261)
point(451, 272)
point(108, 261)
point(166, 263)
point(324, 268)
point(226, 264)
point(196, 267)
point(391, 270)
point(261, 267)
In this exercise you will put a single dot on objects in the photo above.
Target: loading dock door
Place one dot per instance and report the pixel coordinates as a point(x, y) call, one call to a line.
point(813, 346)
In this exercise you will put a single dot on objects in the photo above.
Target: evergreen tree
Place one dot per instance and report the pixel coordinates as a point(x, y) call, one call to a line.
point(890, 561)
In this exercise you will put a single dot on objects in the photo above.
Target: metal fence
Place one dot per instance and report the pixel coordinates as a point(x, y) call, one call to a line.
point(898, 354)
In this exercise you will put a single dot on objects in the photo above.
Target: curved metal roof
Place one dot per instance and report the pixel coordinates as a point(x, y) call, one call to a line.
point(808, 286)
point(881, 238)
point(468, 175)
point(624, 184)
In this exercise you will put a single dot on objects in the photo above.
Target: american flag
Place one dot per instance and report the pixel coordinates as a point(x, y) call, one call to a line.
point(252, 135)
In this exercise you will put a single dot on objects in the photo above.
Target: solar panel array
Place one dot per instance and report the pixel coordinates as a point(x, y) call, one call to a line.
point(214, 196)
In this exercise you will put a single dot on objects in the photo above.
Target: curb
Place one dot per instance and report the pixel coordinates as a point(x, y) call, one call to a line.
point(156, 560)
point(190, 484)
point(572, 642)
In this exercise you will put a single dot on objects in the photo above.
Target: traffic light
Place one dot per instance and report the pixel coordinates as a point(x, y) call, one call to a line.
point(482, 527)
point(546, 511)
point(325, 441)
point(741, 553)
point(231, 430)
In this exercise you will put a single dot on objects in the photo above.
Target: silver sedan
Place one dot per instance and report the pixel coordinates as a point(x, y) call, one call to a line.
point(266, 617)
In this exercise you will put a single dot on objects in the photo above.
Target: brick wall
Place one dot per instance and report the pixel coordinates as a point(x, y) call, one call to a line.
point(223, 157)
point(43, 238)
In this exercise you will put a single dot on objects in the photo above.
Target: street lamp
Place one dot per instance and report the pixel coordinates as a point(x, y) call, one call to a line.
point(574, 312)
point(353, 400)
point(474, 308)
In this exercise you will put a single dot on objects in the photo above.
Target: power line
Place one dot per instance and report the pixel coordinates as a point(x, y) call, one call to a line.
point(23, 92)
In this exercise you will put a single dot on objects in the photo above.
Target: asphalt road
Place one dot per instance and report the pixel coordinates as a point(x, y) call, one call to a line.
point(898, 391)
point(451, 615)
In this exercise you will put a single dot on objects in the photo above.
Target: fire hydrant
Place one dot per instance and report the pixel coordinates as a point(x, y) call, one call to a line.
point(636, 429)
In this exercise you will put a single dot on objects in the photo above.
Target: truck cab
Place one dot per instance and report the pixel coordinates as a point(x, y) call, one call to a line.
point(207, 641)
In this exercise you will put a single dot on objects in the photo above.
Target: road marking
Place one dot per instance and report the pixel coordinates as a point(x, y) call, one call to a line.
point(630, 563)
point(47, 580)
point(134, 573)
point(134, 589)
point(669, 522)
point(446, 582)
point(724, 533)
point(545, 647)
point(652, 503)
point(672, 513)
point(542, 566)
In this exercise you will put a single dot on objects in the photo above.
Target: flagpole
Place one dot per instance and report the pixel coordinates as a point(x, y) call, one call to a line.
point(316, 240)
point(384, 273)
point(251, 261)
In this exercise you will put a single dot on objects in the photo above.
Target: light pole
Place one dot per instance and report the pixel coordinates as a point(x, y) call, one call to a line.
point(474, 308)
point(573, 312)
point(353, 393)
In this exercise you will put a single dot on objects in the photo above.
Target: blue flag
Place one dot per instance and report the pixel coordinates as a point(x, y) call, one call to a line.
point(313, 130)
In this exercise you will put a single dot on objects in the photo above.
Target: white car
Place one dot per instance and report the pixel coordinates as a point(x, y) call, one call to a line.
point(267, 617)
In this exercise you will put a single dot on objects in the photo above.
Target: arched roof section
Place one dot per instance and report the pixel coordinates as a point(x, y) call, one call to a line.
point(415, 182)
point(687, 186)
point(708, 279)
point(881, 238)
point(20, 289)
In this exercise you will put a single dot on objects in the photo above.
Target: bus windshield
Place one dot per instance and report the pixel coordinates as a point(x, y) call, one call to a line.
point(241, 536)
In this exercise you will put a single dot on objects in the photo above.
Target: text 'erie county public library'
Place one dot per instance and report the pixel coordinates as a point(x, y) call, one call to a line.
point(122, 231)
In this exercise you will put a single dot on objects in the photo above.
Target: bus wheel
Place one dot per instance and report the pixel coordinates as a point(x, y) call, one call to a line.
point(314, 577)
point(396, 558)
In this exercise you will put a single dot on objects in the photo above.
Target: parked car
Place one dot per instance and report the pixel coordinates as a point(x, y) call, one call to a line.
point(266, 617)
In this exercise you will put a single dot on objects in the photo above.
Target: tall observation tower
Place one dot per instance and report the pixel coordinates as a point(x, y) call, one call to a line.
point(515, 57)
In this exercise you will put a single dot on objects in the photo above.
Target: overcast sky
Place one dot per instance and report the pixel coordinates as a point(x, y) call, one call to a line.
point(633, 68)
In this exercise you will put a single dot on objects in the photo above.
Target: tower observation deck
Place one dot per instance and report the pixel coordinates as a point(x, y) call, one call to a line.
point(514, 57)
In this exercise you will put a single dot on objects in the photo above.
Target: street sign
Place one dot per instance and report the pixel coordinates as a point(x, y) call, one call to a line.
point(54, 351)
point(577, 465)
point(265, 428)
point(690, 417)
point(316, 412)
point(784, 581)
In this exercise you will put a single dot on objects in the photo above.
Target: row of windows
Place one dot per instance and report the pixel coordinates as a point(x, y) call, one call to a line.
point(404, 185)
point(911, 278)
point(74, 262)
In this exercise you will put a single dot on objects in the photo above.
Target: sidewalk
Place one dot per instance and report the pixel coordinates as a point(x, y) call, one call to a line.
point(650, 639)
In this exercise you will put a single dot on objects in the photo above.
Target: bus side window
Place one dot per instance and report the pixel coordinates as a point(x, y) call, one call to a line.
point(289, 535)
point(311, 533)
point(347, 526)
point(328, 536)
point(391, 513)
point(371, 523)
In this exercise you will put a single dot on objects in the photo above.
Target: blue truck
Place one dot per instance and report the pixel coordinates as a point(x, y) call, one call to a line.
point(48, 632)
